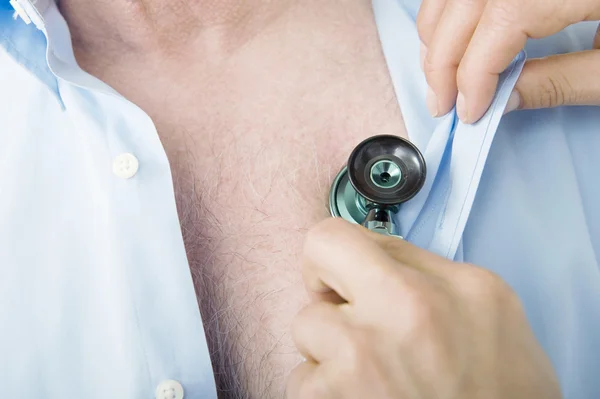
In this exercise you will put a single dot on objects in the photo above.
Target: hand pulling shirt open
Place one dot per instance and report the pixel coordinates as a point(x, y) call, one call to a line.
point(456, 153)
point(79, 260)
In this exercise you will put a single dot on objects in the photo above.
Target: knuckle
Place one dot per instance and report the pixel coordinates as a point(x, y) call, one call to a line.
point(429, 68)
point(504, 12)
point(391, 284)
point(560, 90)
point(325, 229)
point(330, 226)
point(440, 74)
point(300, 317)
point(314, 311)
point(424, 27)
point(439, 62)
point(318, 230)
point(483, 285)
point(393, 245)
point(555, 90)
point(547, 83)
point(306, 316)
point(299, 322)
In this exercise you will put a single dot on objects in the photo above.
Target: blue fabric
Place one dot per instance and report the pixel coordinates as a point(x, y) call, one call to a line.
point(455, 152)
point(27, 45)
point(96, 297)
point(535, 218)
point(5, 5)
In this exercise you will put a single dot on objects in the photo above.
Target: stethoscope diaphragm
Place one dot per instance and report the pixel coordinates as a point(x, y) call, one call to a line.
point(382, 172)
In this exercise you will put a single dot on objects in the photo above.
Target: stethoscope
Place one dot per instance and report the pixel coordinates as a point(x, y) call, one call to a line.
point(382, 173)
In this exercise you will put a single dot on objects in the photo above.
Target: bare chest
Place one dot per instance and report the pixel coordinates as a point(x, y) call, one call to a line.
point(254, 144)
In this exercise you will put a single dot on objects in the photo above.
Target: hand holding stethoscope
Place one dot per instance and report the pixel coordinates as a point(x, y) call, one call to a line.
point(468, 43)
point(389, 320)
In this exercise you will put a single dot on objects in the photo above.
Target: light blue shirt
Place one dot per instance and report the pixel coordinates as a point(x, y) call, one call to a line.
point(96, 298)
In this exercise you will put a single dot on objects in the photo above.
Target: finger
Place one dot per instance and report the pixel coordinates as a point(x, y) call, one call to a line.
point(422, 56)
point(338, 256)
point(410, 256)
point(428, 17)
point(446, 49)
point(566, 79)
point(318, 329)
point(597, 38)
point(498, 38)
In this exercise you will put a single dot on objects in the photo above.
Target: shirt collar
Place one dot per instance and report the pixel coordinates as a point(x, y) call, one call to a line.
point(30, 11)
point(23, 36)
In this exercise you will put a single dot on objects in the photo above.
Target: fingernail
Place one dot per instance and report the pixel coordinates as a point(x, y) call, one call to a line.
point(514, 102)
point(461, 108)
point(423, 55)
point(432, 104)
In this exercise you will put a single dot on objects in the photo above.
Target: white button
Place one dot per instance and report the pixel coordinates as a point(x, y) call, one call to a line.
point(169, 389)
point(125, 166)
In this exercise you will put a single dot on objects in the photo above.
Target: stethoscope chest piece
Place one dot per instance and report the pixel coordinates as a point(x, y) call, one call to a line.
point(382, 172)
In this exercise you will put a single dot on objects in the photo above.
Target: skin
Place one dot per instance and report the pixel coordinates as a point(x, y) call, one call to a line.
point(258, 104)
point(457, 35)
point(389, 320)
point(257, 113)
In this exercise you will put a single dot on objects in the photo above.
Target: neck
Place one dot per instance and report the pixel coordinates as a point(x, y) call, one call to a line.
point(156, 25)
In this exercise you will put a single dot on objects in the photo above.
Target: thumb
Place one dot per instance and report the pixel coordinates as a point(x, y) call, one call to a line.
point(566, 79)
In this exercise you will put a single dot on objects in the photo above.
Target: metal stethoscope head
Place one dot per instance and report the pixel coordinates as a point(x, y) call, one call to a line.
point(382, 173)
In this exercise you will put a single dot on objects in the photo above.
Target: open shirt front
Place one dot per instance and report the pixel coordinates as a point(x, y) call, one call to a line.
point(518, 195)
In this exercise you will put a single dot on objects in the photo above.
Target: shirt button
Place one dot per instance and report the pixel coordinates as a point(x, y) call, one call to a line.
point(125, 166)
point(169, 389)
